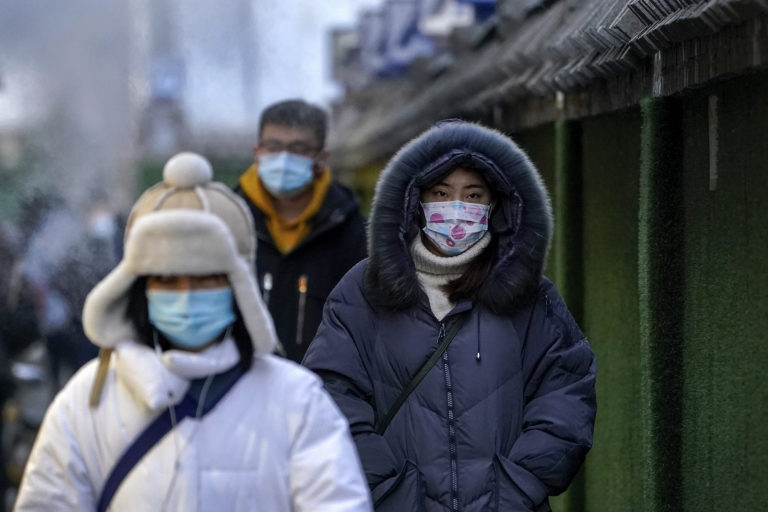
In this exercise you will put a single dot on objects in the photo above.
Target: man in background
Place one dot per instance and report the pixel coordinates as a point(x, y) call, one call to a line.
point(310, 229)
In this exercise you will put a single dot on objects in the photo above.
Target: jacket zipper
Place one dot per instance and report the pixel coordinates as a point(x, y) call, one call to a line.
point(302, 306)
point(451, 427)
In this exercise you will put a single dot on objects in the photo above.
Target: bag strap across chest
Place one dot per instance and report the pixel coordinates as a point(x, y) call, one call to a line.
point(164, 423)
point(447, 336)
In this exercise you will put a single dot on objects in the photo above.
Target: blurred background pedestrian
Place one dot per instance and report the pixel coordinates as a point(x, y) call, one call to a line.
point(310, 227)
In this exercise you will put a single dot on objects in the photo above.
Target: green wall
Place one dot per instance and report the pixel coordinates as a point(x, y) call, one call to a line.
point(660, 279)
point(555, 150)
point(668, 280)
point(538, 144)
point(611, 147)
point(591, 169)
point(725, 406)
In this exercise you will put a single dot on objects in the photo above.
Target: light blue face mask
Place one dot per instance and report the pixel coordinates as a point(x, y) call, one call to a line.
point(190, 318)
point(285, 174)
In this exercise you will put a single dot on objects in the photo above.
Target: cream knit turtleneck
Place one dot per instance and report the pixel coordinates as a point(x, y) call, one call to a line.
point(434, 271)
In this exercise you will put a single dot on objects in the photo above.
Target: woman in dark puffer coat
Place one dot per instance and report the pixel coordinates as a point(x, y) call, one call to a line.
point(460, 228)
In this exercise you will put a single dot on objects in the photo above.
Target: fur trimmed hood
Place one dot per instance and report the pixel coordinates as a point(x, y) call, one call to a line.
point(185, 225)
point(521, 222)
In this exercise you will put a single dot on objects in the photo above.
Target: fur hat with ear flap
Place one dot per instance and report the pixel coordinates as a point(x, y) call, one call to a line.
point(187, 224)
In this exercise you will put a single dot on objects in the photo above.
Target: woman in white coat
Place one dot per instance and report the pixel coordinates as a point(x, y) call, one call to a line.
point(186, 408)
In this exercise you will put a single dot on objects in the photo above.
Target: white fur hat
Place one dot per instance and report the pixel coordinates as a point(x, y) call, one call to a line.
point(187, 224)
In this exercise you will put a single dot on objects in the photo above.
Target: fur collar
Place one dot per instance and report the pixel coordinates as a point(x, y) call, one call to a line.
point(521, 222)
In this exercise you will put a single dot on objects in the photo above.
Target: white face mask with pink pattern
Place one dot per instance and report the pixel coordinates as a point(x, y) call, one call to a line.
point(455, 226)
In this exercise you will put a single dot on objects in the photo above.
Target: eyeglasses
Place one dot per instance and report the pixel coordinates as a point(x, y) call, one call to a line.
point(296, 147)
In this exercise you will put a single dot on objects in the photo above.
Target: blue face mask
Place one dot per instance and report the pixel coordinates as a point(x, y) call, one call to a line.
point(190, 318)
point(285, 174)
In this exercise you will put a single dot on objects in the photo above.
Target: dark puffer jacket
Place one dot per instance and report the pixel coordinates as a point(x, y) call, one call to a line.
point(505, 417)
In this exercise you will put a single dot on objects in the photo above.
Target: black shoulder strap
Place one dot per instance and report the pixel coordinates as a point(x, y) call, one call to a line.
point(450, 333)
point(163, 424)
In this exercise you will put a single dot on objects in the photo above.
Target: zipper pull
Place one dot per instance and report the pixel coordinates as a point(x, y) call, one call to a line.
point(302, 304)
point(303, 284)
point(266, 285)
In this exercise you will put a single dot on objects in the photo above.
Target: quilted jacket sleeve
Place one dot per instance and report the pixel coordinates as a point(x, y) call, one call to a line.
point(55, 477)
point(560, 405)
point(325, 470)
point(337, 354)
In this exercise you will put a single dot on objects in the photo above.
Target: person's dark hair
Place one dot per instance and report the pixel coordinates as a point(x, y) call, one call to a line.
point(297, 113)
point(466, 286)
point(137, 313)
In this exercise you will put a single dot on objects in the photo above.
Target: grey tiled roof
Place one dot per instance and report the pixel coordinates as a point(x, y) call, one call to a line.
point(546, 47)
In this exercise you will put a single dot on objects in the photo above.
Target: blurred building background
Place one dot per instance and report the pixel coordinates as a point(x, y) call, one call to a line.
point(93, 94)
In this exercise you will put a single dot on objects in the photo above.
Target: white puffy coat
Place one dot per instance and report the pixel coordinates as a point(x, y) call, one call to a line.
point(275, 442)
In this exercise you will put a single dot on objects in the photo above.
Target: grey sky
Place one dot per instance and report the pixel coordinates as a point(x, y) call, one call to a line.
point(239, 55)
point(77, 74)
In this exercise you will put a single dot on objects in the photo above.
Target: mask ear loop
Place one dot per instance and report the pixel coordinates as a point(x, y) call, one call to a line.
point(203, 395)
point(159, 353)
point(421, 216)
point(209, 378)
point(172, 414)
point(488, 215)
